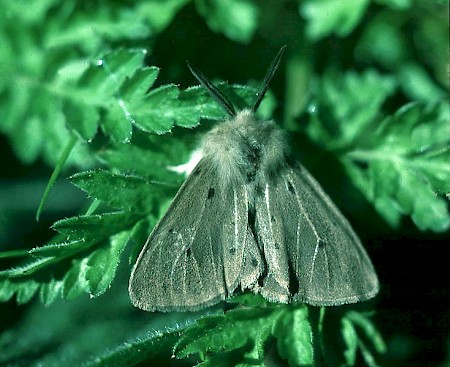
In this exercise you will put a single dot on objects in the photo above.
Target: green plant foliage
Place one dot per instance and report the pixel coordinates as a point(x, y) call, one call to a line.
point(244, 332)
point(120, 191)
point(113, 83)
point(93, 331)
point(345, 105)
point(327, 17)
point(403, 167)
point(92, 273)
point(384, 41)
point(237, 19)
point(396, 4)
point(400, 161)
point(77, 89)
point(294, 337)
point(44, 46)
point(351, 323)
point(158, 13)
point(152, 348)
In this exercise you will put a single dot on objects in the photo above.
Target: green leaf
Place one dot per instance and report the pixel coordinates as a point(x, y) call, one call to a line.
point(382, 41)
point(50, 291)
point(6, 290)
point(249, 300)
point(326, 17)
point(396, 4)
point(105, 85)
point(31, 136)
point(152, 348)
point(91, 273)
point(403, 166)
point(83, 119)
point(155, 114)
point(24, 290)
point(353, 324)
point(122, 191)
point(89, 228)
point(362, 322)
point(45, 49)
point(74, 282)
point(163, 151)
point(159, 13)
point(103, 262)
point(60, 249)
point(254, 357)
point(230, 331)
point(131, 91)
point(27, 269)
point(419, 85)
point(195, 103)
point(351, 341)
point(94, 273)
point(92, 29)
point(236, 19)
point(345, 105)
point(167, 106)
point(240, 335)
point(294, 337)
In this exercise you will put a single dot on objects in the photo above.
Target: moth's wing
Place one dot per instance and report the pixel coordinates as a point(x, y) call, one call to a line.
point(312, 253)
point(194, 257)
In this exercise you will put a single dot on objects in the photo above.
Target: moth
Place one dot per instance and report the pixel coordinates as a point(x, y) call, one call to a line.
point(249, 217)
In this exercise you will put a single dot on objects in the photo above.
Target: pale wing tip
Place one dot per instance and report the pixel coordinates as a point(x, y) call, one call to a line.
point(142, 302)
point(340, 301)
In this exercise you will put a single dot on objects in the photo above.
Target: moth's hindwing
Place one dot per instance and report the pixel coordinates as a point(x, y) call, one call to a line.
point(195, 255)
point(312, 253)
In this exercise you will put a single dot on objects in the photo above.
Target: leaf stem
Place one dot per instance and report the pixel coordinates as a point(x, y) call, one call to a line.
point(13, 253)
point(65, 154)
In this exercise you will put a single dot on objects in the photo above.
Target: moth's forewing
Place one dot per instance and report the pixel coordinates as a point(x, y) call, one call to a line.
point(194, 256)
point(304, 235)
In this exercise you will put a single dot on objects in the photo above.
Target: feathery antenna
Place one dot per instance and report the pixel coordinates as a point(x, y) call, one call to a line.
point(212, 89)
point(267, 79)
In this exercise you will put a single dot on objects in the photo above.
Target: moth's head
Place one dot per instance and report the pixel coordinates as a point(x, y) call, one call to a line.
point(224, 101)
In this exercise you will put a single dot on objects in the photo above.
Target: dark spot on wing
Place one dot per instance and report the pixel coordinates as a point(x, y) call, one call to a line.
point(232, 251)
point(170, 230)
point(210, 193)
point(293, 280)
point(254, 262)
point(188, 252)
point(251, 176)
point(321, 242)
point(290, 187)
point(273, 219)
point(276, 245)
point(251, 215)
